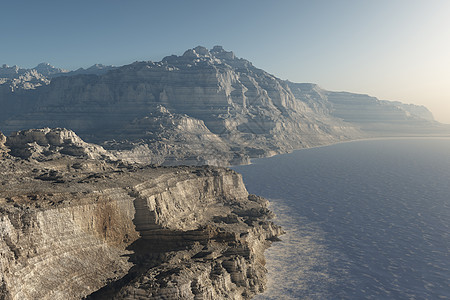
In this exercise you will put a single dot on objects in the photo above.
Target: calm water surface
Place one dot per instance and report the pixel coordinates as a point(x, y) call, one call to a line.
point(364, 220)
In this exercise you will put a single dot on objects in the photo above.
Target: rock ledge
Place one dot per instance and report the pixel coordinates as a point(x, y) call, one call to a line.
point(76, 225)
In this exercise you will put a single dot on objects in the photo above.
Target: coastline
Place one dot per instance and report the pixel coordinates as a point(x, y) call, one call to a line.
point(270, 185)
point(445, 137)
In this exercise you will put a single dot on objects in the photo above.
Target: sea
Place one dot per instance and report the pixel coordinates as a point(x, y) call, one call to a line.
point(364, 220)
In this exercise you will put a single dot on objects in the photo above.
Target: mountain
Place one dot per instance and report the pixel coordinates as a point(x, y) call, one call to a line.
point(11, 72)
point(48, 70)
point(374, 117)
point(16, 78)
point(97, 69)
point(205, 107)
point(44, 69)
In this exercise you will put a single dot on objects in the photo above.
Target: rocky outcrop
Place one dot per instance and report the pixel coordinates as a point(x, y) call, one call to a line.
point(48, 143)
point(74, 227)
point(171, 139)
point(2, 143)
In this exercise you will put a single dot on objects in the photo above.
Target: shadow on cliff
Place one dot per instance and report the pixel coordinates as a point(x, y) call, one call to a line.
point(147, 254)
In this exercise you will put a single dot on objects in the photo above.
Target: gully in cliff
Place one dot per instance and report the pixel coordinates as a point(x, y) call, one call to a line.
point(77, 223)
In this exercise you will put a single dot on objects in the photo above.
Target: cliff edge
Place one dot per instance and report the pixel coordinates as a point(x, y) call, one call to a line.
point(76, 226)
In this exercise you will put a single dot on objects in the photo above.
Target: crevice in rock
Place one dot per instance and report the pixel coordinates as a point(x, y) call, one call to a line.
point(152, 249)
point(141, 233)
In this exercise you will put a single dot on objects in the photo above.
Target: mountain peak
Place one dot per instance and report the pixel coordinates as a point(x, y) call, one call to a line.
point(216, 51)
point(44, 64)
point(198, 51)
point(201, 54)
point(219, 52)
point(47, 69)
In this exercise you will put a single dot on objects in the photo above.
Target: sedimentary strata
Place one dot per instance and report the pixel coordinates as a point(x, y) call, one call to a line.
point(75, 226)
point(202, 107)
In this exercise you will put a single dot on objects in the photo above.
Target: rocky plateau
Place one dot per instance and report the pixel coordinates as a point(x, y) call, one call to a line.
point(77, 223)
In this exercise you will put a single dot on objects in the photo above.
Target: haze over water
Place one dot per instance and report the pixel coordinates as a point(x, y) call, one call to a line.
point(364, 220)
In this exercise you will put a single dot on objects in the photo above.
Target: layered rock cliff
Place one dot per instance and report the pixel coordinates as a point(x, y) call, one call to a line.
point(204, 107)
point(72, 226)
point(374, 117)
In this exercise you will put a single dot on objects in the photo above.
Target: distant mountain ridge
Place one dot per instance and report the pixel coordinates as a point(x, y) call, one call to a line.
point(48, 70)
point(44, 69)
point(97, 69)
point(204, 107)
point(373, 116)
point(42, 74)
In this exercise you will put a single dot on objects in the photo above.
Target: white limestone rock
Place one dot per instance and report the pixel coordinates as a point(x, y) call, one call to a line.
point(222, 110)
point(48, 143)
point(223, 105)
point(75, 227)
point(166, 138)
point(2, 143)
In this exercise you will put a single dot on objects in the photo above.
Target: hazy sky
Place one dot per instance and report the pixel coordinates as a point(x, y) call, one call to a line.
point(391, 49)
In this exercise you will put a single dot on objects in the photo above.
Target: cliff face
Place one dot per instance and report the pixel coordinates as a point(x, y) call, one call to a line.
point(204, 107)
point(383, 118)
point(74, 227)
point(374, 117)
point(201, 107)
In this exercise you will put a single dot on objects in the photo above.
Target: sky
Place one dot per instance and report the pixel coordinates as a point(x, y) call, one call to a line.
point(391, 49)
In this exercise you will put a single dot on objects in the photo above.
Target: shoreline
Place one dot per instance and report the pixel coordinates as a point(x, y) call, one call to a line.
point(446, 137)
point(257, 175)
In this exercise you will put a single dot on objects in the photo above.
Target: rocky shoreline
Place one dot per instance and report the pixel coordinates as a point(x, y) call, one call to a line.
point(77, 224)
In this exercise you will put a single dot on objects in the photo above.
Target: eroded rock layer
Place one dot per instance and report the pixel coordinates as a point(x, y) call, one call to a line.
point(73, 227)
point(202, 107)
